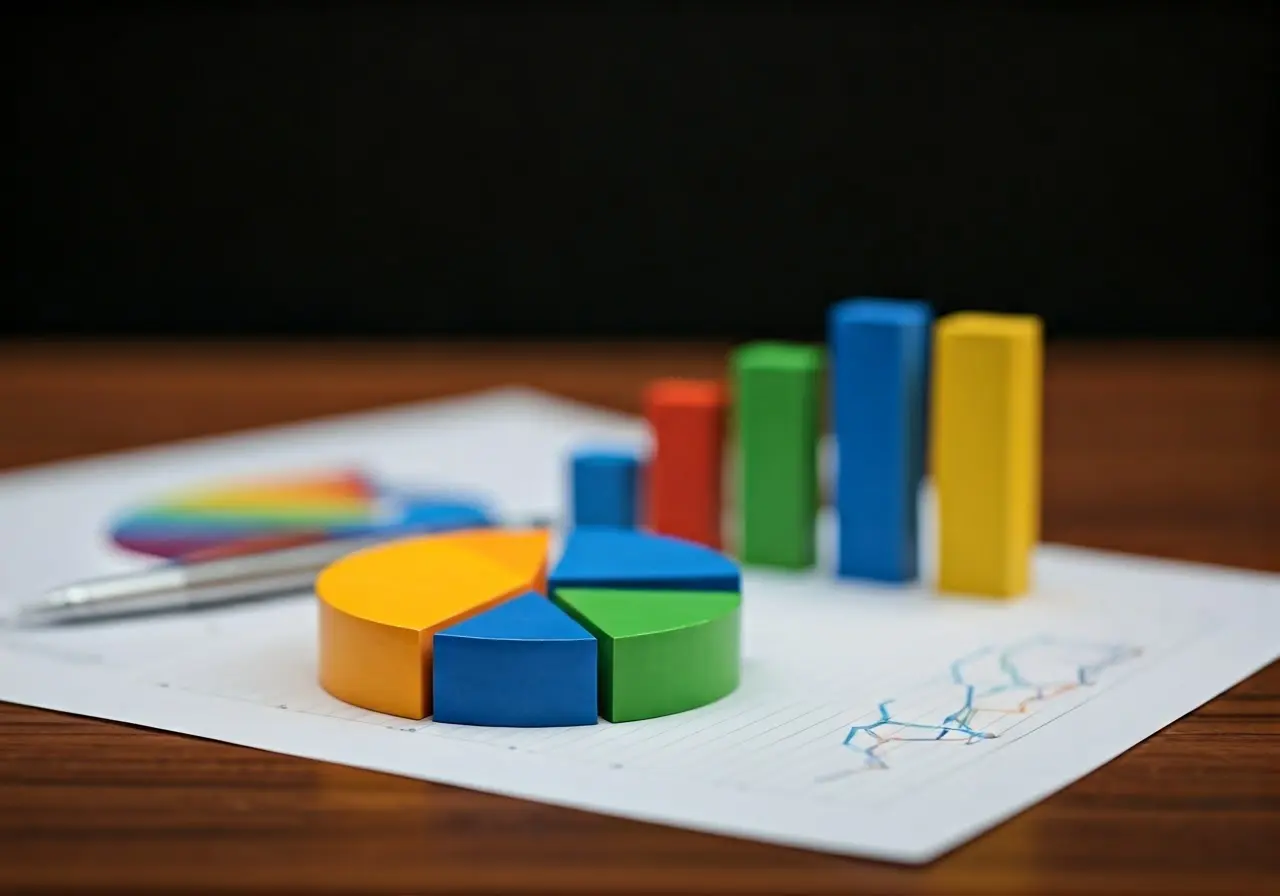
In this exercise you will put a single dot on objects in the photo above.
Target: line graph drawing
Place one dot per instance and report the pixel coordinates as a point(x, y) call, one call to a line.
point(994, 683)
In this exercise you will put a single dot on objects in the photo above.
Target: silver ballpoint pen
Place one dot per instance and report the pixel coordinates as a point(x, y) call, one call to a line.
point(202, 583)
point(208, 583)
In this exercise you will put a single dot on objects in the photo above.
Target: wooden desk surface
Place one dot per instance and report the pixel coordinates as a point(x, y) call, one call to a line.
point(1168, 450)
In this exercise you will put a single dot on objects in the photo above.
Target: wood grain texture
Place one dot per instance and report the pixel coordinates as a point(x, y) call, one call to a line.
point(1163, 449)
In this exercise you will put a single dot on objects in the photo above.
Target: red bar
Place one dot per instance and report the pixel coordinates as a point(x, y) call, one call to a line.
point(687, 422)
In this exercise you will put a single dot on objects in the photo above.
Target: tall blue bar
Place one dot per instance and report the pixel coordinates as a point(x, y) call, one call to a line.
point(605, 487)
point(879, 352)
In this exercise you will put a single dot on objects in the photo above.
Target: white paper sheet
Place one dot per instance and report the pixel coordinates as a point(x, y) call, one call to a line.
point(883, 722)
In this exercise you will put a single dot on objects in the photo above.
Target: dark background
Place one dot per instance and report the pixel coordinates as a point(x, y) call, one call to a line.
point(633, 170)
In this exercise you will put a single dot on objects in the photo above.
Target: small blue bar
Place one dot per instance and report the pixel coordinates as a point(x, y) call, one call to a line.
point(605, 484)
point(879, 357)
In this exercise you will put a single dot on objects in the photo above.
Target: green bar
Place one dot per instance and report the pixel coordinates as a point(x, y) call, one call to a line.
point(777, 417)
point(661, 652)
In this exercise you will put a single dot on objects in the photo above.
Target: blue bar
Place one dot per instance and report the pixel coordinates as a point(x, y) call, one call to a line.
point(605, 484)
point(879, 355)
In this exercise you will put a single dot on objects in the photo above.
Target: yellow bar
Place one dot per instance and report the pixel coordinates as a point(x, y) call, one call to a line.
point(987, 383)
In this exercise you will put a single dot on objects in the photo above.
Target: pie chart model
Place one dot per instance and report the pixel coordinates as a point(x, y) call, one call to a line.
point(261, 513)
point(468, 627)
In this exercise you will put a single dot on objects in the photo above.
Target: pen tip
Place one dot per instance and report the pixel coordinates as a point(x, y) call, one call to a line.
point(40, 612)
point(18, 618)
point(22, 617)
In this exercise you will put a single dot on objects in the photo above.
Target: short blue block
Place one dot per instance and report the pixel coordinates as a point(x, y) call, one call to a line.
point(522, 664)
point(879, 355)
point(605, 486)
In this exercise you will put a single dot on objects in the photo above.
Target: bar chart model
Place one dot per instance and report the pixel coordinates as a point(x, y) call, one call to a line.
point(469, 628)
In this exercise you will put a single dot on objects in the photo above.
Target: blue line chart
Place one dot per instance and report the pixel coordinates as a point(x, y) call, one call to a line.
point(991, 683)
